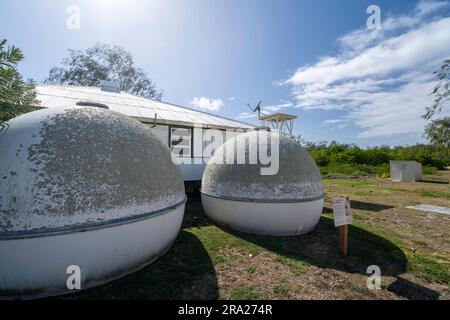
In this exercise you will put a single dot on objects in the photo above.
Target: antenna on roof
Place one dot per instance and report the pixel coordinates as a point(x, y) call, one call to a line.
point(257, 108)
point(155, 123)
point(279, 122)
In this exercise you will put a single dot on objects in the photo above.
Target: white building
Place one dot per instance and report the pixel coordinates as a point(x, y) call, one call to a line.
point(407, 171)
point(179, 127)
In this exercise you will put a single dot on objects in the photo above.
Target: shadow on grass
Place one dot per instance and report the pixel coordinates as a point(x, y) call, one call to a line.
point(435, 181)
point(194, 216)
point(376, 207)
point(361, 205)
point(320, 248)
point(184, 272)
point(411, 290)
point(327, 210)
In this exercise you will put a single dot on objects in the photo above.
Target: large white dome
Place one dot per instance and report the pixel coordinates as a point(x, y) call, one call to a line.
point(239, 195)
point(84, 175)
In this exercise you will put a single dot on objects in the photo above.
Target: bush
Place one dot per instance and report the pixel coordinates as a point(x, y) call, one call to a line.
point(17, 95)
point(321, 157)
point(429, 170)
point(427, 155)
point(344, 159)
point(355, 170)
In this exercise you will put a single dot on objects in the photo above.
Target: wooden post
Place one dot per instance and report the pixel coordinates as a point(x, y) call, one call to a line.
point(343, 240)
point(342, 218)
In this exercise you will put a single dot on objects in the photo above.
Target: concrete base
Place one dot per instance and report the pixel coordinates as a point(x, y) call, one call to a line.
point(36, 267)
point(276, 219)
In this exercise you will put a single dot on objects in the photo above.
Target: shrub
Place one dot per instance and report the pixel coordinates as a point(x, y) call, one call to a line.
point(345, 159)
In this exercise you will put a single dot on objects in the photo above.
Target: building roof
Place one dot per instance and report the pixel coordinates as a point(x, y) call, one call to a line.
point(143, 109)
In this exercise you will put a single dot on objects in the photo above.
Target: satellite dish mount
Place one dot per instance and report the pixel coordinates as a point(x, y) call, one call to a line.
point(279, 122)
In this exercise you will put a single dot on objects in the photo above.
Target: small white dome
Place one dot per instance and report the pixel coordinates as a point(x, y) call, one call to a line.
point(298, 178)
point(239, 195)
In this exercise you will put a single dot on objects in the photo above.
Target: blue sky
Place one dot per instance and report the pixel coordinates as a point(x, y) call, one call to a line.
point(314, 59)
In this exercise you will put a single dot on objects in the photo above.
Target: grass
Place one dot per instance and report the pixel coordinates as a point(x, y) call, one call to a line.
point(297, 267)
point(430, 268)
point(358, 170)
point(251, 269)
point(210, 262)
point(368, 185)
point(436, 194)
point(355, 170)
point(245, 293)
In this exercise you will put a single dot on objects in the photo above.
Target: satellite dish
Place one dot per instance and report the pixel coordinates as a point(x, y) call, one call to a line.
point(257, 108)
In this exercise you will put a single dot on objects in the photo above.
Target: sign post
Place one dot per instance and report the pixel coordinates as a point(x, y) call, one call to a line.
point(343, 240)
point(342, 218)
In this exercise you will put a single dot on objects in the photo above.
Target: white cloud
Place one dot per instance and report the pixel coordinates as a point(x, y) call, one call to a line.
point(399, 53)
point(332, 121)
point(247, 115)
point(207, 104)
point(381, 78)
point(231, 98)
point(276, 107)
point(335, 123)
point(361, 38)
point(425, 7)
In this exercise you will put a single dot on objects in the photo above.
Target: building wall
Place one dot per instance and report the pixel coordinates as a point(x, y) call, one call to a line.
point(162, 132)
point(192, 166)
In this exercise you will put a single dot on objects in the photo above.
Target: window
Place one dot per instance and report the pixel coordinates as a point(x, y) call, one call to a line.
point(181, 141)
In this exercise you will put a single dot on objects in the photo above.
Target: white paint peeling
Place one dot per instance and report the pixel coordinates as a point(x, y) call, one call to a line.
point(298, 177)
point(287, 203)
point(64, 167)
point(63, 170)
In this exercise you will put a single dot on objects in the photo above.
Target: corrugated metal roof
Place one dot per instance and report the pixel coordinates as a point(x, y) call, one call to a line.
point(131, 105)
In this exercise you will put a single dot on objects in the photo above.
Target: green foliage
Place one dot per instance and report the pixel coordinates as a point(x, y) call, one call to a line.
point(321, 157)
point(104, 62)
point(441, 92)
point(16, 95)
point(429, 170)
point(348, 159)
point(438, 132)
point(428, 155)
point(355, 170)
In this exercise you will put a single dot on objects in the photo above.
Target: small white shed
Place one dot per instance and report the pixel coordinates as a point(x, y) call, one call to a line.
point(406, 171)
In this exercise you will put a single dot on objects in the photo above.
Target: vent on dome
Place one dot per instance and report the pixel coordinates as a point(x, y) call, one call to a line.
point(92, 104)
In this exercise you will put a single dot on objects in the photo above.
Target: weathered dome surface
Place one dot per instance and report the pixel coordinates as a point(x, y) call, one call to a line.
point(61, 168)
point(298, 178)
